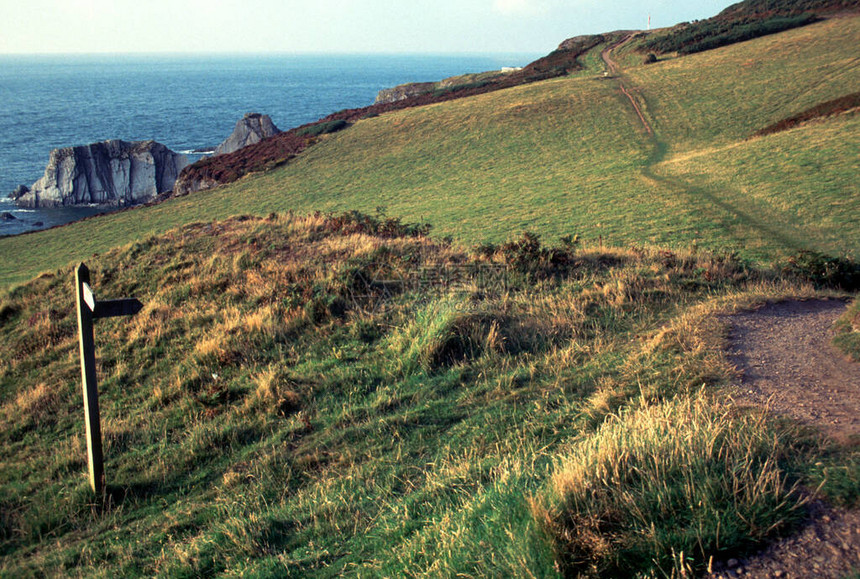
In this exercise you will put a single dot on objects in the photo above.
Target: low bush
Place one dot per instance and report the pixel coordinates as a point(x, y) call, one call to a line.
point(825, 109)
point(823, 271)
point(380, 225)
point(323, 128)
point(529, 257)
point(714, 33)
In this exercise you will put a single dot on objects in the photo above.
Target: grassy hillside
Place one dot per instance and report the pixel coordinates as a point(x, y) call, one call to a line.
point(792, 190)
point(338, 394)
point(560, 157)
point(270, 413)
point(798, 191)
point(724, 96)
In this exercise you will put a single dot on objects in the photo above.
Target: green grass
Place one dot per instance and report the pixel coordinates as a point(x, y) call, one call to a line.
point(558, 157)
point(647, 488)
point(797, 188)
point(257, 420)
point(723, 96)
point(270, 414)
point(478, 169)
point(775, 196)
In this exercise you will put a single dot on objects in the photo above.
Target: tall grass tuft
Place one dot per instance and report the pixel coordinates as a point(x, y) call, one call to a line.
point(687, 476)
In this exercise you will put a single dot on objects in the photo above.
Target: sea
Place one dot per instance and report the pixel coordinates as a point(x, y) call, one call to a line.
point(188, 102)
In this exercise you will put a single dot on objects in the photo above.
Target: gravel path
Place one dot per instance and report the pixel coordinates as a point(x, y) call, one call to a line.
point(788, 363)
point(785, 355)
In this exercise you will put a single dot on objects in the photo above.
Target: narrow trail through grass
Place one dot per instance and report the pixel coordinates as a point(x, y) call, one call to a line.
point(733, 217)
point(312, 394)
point(613, 69)
point(769, 348)
point(789, 364)
point(558, 158)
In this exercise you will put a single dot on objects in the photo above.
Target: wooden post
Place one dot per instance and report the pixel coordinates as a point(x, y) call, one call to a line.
point(86, 305)
point(88, 310)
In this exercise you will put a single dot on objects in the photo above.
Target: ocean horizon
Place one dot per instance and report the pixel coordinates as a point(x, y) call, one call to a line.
point(188, 102)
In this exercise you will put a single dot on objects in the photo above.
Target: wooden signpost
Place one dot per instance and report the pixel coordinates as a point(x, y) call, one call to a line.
point(90, 309)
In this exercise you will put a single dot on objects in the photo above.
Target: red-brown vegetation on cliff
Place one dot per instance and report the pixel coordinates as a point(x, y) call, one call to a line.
point(826, 109)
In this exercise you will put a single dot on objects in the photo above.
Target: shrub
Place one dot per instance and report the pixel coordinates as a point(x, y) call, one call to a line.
point(825, 109)
point(486, 250)
point(527, 256)
point(467, 87)
point(715, 32)
point(322, 128)
point(352, 222)
point(823, 271)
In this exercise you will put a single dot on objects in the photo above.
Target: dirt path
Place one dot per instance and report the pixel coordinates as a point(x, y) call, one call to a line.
point(788, 363)
point(785, 355)
point(744, 218)
point(613, 69)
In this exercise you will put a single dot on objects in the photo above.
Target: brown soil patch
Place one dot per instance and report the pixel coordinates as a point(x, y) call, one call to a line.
point(789, 364)
point(828, 547)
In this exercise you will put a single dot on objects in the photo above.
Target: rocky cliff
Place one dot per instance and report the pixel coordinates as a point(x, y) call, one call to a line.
point(251, 129)
point(404, 91)
point(462, 81)
point(107, 173)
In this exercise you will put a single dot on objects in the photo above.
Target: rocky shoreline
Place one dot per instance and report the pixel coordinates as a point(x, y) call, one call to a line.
point(118, 173)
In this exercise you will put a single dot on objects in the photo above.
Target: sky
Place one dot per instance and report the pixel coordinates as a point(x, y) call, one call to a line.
point(325, 26)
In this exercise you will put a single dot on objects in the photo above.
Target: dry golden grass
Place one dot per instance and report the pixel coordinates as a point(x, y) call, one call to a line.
point(274, 393)
point(36, 403)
